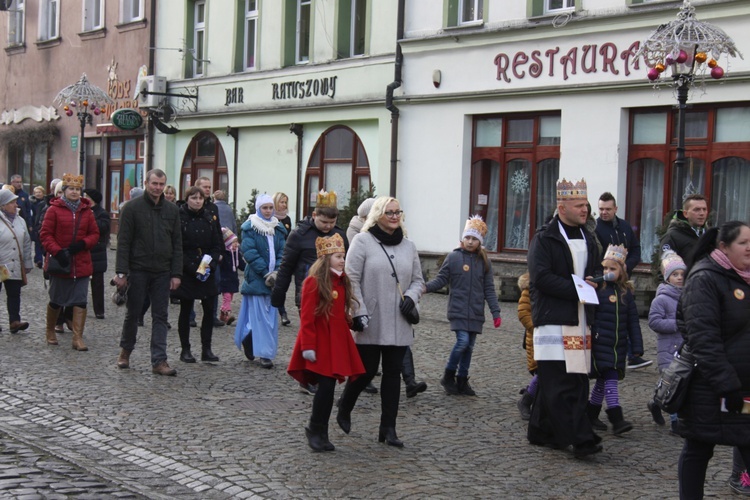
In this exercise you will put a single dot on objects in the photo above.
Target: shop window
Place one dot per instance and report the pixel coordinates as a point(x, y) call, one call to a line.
point(717, 165)
point(338, 163)
point(93, 15)
point(204, 157)
point(515, 167)
point(125, 167)
point(16, 22)
point(49, 20)
point(352, 28)
point(131, 10)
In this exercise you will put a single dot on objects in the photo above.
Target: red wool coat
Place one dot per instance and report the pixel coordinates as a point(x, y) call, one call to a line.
point(330, 338)
point(57, 233)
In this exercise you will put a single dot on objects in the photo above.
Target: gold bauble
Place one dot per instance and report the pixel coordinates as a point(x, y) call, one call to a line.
point(712, 63)
point(701, 57)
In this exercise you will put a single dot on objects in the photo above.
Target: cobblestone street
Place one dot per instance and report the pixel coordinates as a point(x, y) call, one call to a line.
point(72, 425)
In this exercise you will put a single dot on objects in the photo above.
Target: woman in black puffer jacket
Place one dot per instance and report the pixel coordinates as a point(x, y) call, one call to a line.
point(714, 318)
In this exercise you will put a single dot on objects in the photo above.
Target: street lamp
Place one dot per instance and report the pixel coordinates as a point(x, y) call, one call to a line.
point(690, 48)
point(85, 98)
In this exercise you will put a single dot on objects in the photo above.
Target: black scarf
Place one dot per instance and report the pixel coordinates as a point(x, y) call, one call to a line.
point(385, 238)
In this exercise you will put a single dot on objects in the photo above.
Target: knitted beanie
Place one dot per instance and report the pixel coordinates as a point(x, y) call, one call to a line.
point(671, 262)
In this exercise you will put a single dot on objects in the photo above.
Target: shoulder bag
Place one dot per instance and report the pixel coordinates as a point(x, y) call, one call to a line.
point(672, 387)
point(413, 317)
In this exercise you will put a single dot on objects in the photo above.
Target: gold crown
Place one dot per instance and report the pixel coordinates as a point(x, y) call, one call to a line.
point(618, 253)
point(326, 199)
point(567, 191)
point(70, 180)
point(475, 226)
point(329, 244)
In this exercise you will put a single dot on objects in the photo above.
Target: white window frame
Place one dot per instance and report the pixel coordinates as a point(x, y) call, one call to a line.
point(126, 11)
point(199, 34)
point(299, 58)
point(356, 4)
point(49, 20)
point(568, 5)
point(16, 23)
point(251, 19)
point(90, 20)
point(478, 12)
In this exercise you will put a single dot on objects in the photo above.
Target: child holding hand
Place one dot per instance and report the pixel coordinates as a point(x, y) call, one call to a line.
point(469, 273)
point(325, 352)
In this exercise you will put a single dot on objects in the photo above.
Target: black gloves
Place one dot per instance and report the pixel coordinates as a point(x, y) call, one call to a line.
point(359, 323)
point(407, 306)
point(76, 247)
point(734, 402)
point(63, 257)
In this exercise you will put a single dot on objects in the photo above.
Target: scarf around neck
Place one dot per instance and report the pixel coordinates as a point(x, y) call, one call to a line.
point(385, 238)
point(722, 259)
point(263, 226)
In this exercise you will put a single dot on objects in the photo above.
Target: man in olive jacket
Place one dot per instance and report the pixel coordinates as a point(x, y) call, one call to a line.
point(149, 264)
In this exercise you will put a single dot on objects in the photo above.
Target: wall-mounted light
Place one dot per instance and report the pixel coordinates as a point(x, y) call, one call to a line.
point(436, 77)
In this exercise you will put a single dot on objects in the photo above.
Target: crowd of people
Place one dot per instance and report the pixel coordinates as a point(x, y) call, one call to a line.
point(357, 295)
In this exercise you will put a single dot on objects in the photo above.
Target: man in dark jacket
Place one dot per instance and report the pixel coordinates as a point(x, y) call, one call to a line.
point(204, 183)
point(612, 230)
point(23, 202)
point(686, 227)
point(99, 252)
point(560, 249)
point(149, 262)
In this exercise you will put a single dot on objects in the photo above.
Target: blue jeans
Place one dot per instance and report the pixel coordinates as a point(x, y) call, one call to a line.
point(154, 286)
point(460, 358)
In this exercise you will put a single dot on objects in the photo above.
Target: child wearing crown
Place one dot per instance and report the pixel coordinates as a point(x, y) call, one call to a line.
point(469, 273)
point(616, 322)
point(325, 352)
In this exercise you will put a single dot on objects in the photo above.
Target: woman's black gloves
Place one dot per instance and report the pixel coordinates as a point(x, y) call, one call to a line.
point(734, 402)
point(407, 306)
point(76, 247)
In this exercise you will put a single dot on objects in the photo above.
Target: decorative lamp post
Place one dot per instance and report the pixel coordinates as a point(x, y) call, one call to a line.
point(691, 49)
point(84, 99)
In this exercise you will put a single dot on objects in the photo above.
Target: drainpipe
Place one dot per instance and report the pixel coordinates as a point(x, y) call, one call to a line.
point(396, 83)
point(234, 133)
point(296, 129)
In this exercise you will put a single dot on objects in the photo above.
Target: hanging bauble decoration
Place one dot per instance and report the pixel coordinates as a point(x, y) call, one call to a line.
point(653, 74)
point(717, 72)
point(681, 57)
point(659, 67)
point(712, 63)
point(700, 57)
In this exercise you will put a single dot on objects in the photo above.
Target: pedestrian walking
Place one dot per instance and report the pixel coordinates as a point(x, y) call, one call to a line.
point(325, 352)
point(68, 234)
point(468, 271)
point(281, 212)
point(616, 326)
point(149, 264)
point(228, 280)
point(257, 332)
point(99, 252)
point(15, 257)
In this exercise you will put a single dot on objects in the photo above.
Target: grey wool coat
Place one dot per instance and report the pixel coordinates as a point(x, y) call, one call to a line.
point(375, 288)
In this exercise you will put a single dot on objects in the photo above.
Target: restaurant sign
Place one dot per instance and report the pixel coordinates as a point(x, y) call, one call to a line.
point(127, 119)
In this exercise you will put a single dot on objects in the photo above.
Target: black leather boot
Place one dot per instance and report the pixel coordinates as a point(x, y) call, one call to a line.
point(524, 404)
point(314, 433)
point(619, 424)
point(186, 356)
point(247, 346)
point(592, 411)
point(449, 382)
point(327, 444)
point(207, 355)
point(388, 435)
point(462, 383)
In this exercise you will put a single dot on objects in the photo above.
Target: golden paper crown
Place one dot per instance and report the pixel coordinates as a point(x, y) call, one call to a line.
point(70, 180)
point(618, 253)
point(326, 199)
point(567, 191)
point(329, 244)
point(475, 227)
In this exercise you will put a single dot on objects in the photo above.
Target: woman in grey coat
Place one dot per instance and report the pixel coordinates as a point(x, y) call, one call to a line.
point(384, 299)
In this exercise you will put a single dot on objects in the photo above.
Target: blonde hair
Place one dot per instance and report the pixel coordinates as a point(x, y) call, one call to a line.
point(622, 282)
point(378, 210)
point(320, 270)
point(277, 198)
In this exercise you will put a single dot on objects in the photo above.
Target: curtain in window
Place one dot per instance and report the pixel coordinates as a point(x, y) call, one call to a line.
point(730, 199)
point(645, 188)
point(546, 190)
point(493, 208)
point(687, 180)
point(518, 206)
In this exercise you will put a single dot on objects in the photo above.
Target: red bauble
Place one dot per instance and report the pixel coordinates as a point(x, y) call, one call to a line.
point(682, 57)
point(653, 74)
point(69, 112)
point(717, 72)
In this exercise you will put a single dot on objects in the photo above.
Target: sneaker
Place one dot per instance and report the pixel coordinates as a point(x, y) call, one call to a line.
point(656, 413)
point(740, 483)
point(163, 368)
point(310, 389)
point(637, 362)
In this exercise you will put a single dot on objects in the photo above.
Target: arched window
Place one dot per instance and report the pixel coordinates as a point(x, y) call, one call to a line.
point(204, 157)
point(338, 163)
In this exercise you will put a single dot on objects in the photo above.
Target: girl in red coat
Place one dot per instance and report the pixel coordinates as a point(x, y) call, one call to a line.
point(325, 352)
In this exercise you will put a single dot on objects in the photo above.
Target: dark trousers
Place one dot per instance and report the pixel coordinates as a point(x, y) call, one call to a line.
point(323, 401)
point(390, 383)
point(691, 468)
point(97, 293)
point(207, 323)
point(155, 286)
point(13, 299)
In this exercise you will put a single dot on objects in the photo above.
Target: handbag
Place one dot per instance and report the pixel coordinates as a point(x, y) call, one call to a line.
point(672, 387)
point(413, 316)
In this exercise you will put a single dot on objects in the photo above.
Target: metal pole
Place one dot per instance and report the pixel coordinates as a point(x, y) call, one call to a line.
point(683, 82)
point(82, 152)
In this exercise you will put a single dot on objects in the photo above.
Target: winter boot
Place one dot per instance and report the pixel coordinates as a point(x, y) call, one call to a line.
point(407, 372)
point(619, 424)
point(314, 433)
point(79, 321)
point(524, 404)
point(464, 387)
point(449, 382)
point(327, 444)
point(593, 413)
point(52, 315)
